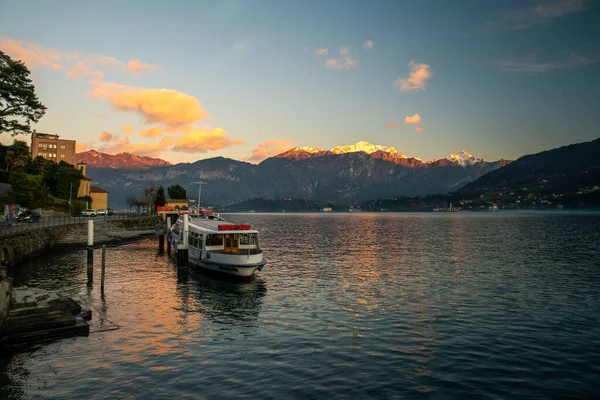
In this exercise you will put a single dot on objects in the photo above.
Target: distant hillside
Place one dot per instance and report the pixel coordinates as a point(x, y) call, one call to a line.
point(567, 169)
point(96, 159)
point(281, 205)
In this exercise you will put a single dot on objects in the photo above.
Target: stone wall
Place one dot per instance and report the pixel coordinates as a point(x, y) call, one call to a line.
point(25, 244)
point(5, 292)
point(28, 243)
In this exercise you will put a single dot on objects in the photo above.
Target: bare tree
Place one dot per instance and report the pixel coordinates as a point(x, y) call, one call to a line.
point(150, 193)
point(131, 201)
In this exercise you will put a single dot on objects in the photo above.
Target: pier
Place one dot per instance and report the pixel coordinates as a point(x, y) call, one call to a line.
point(22, 241)
point(30, 315)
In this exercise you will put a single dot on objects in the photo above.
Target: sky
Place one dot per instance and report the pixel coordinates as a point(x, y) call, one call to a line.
point(248, 79)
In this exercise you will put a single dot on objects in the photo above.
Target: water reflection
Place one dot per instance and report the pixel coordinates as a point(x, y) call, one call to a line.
point(359, 306)
point(227, 304)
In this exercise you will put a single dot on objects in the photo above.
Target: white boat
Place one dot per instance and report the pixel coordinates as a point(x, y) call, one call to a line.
point(219, 246)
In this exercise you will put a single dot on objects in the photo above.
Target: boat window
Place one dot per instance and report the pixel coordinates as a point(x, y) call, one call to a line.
point(195, 239)
point(248, 239)
point(214, 240)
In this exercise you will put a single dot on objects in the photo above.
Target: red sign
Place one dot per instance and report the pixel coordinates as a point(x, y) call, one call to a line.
point(164, 208)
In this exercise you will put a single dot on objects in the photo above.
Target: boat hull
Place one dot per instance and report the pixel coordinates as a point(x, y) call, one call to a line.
point(233, 271)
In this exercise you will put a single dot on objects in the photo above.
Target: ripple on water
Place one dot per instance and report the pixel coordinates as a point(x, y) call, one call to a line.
point(359, 306)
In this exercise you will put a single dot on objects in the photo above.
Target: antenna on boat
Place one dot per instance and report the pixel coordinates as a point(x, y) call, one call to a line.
point(200, 183)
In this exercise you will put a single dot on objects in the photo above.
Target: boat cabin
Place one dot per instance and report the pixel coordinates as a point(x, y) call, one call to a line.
point(219, 237)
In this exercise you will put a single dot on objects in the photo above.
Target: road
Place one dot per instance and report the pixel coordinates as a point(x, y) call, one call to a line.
point(11, 227)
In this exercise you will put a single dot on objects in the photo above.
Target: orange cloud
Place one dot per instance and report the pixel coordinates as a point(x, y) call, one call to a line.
point(165, 106)
point(202, 140)
point(368, 45)
point(392, 125)
point(341, 63)
point(32, 55)
point(417, 79)
point(268, 149)
point(344, 50)
point(127, 129)
point(151, 132)
point(143, 149)
point(418, 129)
point(415, 119)
point(74, 64)
point(136, 67)
point(105, 137)
point(321, 52)
point(80, 69)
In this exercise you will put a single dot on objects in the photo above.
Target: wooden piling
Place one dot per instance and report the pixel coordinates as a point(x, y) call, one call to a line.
point(90, 238)
point(103, 269)
point(186, 230)
point(168, 230)
point(90, 244)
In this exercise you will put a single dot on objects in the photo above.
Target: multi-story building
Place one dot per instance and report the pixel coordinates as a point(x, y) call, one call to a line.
point(52, 148)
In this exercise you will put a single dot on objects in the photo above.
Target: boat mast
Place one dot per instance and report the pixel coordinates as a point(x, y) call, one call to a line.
point(200, 182)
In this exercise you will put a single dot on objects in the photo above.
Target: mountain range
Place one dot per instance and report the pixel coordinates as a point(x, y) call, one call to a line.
point(343, 174)
point(564, 170)
point(96, 159)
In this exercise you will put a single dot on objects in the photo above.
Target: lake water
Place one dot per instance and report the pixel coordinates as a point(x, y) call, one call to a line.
point(350, 306)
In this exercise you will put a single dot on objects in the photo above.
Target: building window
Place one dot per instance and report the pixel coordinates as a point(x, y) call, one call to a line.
point(40, 145)
point(45, 146)
point(62, 156)
point(63, 147)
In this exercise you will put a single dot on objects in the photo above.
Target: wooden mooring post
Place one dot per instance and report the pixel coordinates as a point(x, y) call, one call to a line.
point(168, 229)
point(182, 251)
point(103, 269)
point(90, 251)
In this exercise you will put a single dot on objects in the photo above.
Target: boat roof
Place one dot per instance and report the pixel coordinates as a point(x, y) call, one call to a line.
point(212, 226)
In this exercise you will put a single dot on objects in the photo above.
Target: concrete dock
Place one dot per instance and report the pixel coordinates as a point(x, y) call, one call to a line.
point(34, 315)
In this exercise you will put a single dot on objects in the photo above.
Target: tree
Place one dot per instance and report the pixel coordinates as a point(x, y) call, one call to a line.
point(40, 166)
point(19, 105)
point(28, 190)
point(17, 155)
point(61, 177)
point(177, 192)
point(160, 197)
point(150, 195)
point(131, 201)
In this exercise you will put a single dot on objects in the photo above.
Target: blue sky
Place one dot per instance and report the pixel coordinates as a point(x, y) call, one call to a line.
point(245, 79)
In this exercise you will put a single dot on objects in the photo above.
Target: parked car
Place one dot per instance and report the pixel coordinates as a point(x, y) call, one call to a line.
point(89, 213)
point(29, 216)
point(109, 212)
point(102, 212)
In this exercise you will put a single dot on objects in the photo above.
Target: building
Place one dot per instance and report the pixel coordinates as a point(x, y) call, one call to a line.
point(52, 148)
point(98, 195)
point(177, 205)
point(99, 198)
point(85, 185)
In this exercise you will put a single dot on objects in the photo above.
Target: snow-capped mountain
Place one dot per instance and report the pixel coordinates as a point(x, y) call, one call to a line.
point(96, 159)
point(365, 147)
point(463, 158)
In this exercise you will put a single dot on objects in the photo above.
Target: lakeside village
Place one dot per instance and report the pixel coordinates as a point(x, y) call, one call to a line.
point(44, 181)
point(526, 197)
